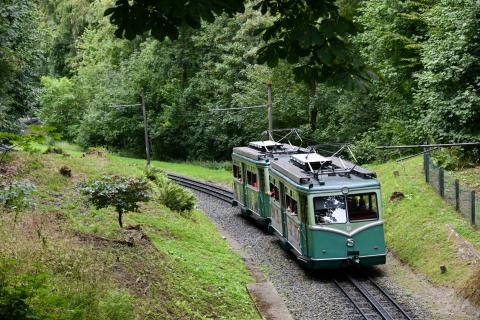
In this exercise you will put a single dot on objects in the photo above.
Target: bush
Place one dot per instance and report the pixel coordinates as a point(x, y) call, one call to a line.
point(170, 194)
point(123, 193)
point(16, 290)
point(176, 197)
point(17, 195)
point(452, 158)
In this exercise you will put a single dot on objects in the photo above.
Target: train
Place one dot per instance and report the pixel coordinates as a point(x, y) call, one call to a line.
point(326, 210)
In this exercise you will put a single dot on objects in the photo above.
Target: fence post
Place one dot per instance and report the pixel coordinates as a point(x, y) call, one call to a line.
point(426, 165)
point(441, 182)
point(473, 208)
point(457, 195)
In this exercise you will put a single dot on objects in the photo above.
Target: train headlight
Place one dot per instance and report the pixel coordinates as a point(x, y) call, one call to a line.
point(350, 242)
point(345, 190)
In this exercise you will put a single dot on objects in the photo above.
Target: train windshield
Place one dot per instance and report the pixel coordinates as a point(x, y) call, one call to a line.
point(362, 206)
point(334, 209)
point(330, 209)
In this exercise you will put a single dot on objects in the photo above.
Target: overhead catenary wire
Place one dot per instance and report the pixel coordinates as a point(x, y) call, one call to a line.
point(240, 108)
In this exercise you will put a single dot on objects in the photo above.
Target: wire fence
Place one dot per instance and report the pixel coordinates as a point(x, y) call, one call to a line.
point(464, 199)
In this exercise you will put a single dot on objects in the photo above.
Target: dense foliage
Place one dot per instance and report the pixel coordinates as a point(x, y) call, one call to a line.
point(21, 55)
point(122, 193)
point(426, 53)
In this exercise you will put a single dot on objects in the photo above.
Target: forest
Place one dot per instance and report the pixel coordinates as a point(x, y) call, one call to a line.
point(63, 62)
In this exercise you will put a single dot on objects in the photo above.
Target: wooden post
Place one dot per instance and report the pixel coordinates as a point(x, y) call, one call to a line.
point(270, 117)
point(473, 208)
point(145, 126)
point(457, 195)
point(441, 182)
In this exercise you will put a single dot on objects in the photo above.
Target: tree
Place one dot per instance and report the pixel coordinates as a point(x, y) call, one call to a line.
point(448, 95)
point(60, 106)
point(21, 53)
point(123, 193)
point(311, 34)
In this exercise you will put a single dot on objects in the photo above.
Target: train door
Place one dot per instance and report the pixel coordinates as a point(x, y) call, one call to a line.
point(282, 211)
point(244, 184)
point(303, 223)
point(292, 217)
point(275, 205)
point(238, 183)
point(252, 188)
point(261, 192)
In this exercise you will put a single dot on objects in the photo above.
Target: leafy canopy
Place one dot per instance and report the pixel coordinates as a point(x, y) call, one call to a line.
point(308, 33)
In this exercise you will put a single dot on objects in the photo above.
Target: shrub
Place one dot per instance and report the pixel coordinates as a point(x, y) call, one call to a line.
point(452, 158)
point(170, 194)
point(14, 296)
point(123, 193)
point(153, 174)
point(17, 195)
point(97, 151)
point(176, 197)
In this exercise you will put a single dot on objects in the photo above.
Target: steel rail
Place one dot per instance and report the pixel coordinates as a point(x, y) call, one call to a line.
point(389, 297)
point(374, 302)
point(207, 188)
point(370, 298)
point(350, 298)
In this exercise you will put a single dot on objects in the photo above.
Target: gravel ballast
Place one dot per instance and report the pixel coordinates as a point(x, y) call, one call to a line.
point(307, 294)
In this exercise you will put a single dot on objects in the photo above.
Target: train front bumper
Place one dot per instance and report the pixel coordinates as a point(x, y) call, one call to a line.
point(335, 263)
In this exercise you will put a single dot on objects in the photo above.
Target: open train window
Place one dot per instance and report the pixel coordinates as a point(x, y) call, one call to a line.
point(237, 172)
point(330, 209)
point(252, 179)
point(274, 192)
point(291, 205)
point(362, 206)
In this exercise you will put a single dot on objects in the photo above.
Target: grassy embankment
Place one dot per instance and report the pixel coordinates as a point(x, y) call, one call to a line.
point(415, 227)
point(70, 261)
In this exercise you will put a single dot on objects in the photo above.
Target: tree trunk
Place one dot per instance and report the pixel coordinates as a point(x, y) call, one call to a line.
point(313, 112)
point(120, 215)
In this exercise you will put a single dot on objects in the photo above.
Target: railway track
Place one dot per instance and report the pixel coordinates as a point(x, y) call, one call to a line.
point(208, 188)
point(370, 300)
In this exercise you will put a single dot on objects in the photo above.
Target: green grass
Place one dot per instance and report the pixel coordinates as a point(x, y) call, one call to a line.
point(188, 271)
point(199, 170)
point(415, 226)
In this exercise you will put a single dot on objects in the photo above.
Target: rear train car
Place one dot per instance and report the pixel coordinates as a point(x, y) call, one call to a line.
point(327, 211)
point(251, 176)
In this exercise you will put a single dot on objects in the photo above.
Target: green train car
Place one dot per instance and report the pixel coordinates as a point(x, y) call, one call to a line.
point(326, 210)
point(251, 176)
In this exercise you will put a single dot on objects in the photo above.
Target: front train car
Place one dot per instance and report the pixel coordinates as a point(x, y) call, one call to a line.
point(328, 211)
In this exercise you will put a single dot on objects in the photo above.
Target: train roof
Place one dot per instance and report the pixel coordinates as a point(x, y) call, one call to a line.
point(316, 172)
point(264, 151)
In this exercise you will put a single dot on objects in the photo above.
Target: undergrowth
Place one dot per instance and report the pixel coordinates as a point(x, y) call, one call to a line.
point(65, 260)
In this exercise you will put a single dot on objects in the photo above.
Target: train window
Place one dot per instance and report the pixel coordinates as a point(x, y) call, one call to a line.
point(237, 172)
point(291, 205)
point(274, 192)
point(330, 209)
point(362, 206)
point(252, 179)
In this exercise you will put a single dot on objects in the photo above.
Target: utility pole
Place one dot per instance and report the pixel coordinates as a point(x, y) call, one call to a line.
point(145, 126)
point(270, 120)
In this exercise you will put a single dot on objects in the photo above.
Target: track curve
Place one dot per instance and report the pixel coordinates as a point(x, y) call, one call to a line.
point(368, 298)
